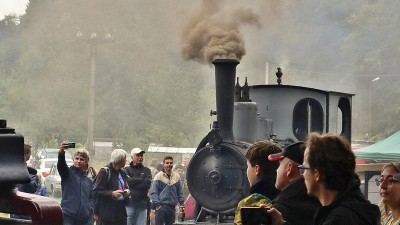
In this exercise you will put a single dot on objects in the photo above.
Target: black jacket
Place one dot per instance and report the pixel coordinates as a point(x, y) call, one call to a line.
point(139, 181)
point(33, 185)
point(349, 208)
point(296, 206)
point(266, 187)
point(106, 182)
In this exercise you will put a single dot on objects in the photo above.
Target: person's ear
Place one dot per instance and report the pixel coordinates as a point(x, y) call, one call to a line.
point(290, 168)
point(258, 169)
point(317, 175)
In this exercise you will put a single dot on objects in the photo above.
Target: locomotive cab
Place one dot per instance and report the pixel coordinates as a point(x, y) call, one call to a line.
point(297, 111)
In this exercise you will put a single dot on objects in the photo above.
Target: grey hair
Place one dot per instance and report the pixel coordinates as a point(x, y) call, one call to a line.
point(82, 152)
point(118, 155)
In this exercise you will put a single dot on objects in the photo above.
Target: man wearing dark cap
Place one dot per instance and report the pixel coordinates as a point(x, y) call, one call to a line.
point(296, 206)
point(139, 182)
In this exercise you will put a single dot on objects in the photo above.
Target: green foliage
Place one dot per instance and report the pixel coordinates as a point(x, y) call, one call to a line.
point(144, 93)
point(373, 43)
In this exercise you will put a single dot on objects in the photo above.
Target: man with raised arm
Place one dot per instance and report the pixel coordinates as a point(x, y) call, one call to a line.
point(77, 200)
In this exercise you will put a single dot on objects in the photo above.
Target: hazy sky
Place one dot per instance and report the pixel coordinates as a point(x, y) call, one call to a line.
point(12, 6)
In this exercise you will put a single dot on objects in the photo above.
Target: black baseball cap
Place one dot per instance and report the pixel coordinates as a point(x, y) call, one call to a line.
point(294, 152)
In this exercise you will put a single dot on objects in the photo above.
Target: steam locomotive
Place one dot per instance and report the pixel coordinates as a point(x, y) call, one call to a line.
point(216, 175)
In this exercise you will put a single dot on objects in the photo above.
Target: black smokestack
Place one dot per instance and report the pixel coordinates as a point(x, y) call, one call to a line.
point(225, 74)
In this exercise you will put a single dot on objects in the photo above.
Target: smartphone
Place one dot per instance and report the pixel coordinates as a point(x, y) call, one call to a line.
point(255, 216)
point(71, 144)
point(126, 193)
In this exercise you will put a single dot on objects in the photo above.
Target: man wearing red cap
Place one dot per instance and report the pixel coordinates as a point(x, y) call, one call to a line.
point(296, 206)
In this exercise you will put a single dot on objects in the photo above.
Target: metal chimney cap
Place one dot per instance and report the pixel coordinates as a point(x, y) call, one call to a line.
point(216, 61)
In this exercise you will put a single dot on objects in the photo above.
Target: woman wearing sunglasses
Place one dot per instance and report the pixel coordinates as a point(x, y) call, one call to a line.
point(389, 189)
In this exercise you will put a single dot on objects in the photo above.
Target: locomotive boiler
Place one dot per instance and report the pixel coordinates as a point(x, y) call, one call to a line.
point(216, 175)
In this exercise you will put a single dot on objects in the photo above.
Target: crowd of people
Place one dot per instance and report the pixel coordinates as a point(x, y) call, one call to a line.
point(119, 193)
point(318, 185)
point(311, 182)
point(328, 170)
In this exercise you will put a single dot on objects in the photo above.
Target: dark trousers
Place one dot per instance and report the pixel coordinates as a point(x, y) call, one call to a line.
point(118, 221)
point(165, 215)
point(69, 220)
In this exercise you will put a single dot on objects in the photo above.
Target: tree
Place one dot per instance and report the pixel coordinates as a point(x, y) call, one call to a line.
point(49, 76)
point(372, 44)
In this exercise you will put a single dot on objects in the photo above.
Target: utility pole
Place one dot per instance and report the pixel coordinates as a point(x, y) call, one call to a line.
point(93, 40)
point(370, 105)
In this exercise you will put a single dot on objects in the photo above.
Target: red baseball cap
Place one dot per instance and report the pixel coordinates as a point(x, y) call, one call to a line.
point(294, 152)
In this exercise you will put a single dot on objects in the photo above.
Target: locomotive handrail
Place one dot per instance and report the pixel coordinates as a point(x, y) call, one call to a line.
point(42, 210)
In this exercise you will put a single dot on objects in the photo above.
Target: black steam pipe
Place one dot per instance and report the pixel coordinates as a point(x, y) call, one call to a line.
point(225, 73)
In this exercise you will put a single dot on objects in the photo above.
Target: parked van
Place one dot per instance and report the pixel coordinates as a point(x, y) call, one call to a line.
point(47, 157)
point(48, 153)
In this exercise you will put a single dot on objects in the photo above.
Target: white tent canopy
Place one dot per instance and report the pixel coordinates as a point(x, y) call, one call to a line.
point(387, 149)
point(158, 149)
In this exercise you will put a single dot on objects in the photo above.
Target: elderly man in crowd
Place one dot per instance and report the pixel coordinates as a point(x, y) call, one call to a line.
point(112, 191)
point(139, 182)
point(296, 206)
